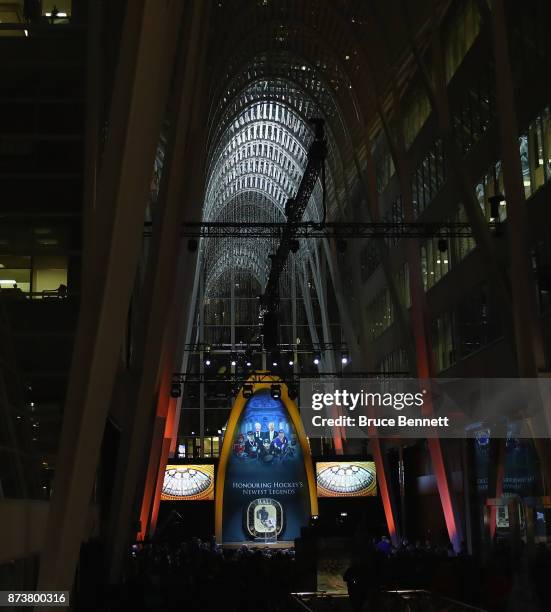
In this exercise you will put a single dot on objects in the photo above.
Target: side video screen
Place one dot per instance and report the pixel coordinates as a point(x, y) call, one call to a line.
point(188, 483)
point(346, 479)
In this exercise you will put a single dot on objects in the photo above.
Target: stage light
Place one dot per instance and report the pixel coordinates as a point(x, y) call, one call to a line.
point(316, 359)
point(275, 391)
point(249, 359)
point(344, 358)
point(175, 390)
point(206, 359)
point(291, 361)
point(275, 359)
point(247, 390)
point(233, 359)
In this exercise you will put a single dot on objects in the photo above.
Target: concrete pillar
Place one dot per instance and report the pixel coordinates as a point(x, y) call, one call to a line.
point(141, 86)
point(156, 335)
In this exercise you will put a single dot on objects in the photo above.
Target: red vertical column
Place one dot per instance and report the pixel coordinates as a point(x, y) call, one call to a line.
point(155, 454)
point(384, 489)
point(165, 452)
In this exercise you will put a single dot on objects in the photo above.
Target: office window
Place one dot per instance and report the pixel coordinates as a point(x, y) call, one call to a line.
point(380, 315)
point(369, 260)
point(382, 159)
point(385, 170)
point(443, 341)
point(428, 178)
point(435, 262)
point(402, 282)
point(535, 153)
point(541, 264)
point(477, 320)
point(15, 273)
point(460, 35)
point(474, 111)
point(395, 214)
point(462, 246)
point(49, 273)
point(190, 446)
point(395, 361)
point(38, 276)
point(489, 185)
point(525, 164)
point(417, 111)
point(63, 7)
point(11, 13)
point(546, 123)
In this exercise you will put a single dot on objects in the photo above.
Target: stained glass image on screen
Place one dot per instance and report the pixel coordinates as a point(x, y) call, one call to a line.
point(346, 479)
point(188, 483)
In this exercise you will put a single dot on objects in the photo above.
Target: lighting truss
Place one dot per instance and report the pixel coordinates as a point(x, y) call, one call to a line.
point(309, 229)
point(221, 349)
point(267, 377)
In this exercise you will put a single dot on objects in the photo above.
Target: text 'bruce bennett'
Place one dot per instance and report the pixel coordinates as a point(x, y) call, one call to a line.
point(364, 421)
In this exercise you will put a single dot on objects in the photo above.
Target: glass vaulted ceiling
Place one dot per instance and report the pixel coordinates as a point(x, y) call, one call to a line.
point(260, 135)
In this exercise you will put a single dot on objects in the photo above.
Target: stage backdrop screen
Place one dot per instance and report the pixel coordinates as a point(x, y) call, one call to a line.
point(266, 495)
point(346, 478)
point(188, 483)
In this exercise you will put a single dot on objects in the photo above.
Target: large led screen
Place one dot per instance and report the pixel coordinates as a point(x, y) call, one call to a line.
point(346, 478)
point(266, 494)
point(188, 483)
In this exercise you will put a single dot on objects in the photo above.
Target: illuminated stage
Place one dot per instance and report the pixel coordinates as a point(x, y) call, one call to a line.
point(266, 484)
point(281, 545)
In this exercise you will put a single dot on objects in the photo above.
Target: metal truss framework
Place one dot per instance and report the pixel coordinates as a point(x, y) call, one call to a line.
point(291, 378)
point(215, 349)
point(310, 229)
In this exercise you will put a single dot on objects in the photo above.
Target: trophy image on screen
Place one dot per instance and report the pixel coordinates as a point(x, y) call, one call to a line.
point(264, 519)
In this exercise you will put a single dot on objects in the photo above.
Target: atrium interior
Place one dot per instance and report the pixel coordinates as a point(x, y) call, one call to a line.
point(213, 210)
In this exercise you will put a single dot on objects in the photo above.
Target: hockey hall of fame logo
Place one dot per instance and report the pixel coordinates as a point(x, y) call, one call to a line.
point(264, 518)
